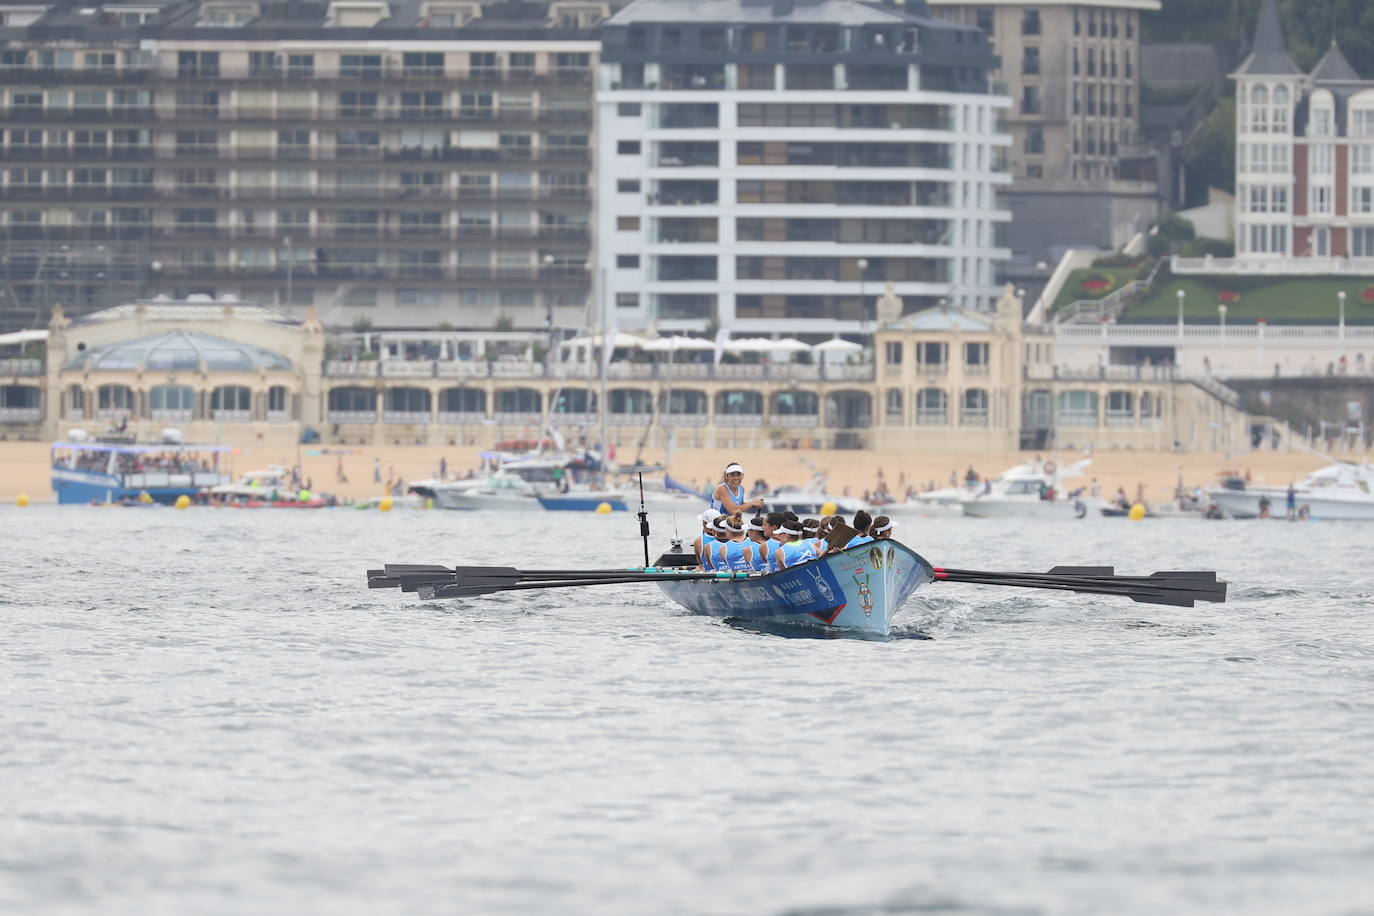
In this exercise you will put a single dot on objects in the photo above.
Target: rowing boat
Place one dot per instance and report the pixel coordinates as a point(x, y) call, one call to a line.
point(857, 590)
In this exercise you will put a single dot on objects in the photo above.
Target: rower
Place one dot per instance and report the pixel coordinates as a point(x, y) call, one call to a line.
point(793, 551)
point(728, 496)
point(862, 522)
point(881, 528)
point(758, 532)
point(811, 533)
point(737, 554)
point(699, 545)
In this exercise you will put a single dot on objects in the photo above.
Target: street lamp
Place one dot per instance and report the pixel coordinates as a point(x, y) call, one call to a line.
point(862, 264)
point(1181, 296)
point(1221, 310)
point(1340, 321)
point(548, 305)
point(290, 265)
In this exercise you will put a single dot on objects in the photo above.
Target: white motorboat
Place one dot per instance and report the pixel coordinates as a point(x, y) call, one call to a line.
point(1336, 492)
point(809, 500)
point(518, 486)
point(1028, 491)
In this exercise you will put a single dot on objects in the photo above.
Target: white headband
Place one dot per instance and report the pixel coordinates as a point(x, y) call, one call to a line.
point(786, 528)
point(734, 469)
point(756, 523)
point(887, 527)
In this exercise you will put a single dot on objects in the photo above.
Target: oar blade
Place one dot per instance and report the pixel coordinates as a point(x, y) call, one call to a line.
point(1082, 571)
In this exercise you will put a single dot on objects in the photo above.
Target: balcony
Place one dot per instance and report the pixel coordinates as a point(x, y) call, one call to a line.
point(231, 416)
point(351, 417)
point(21, 414)
point(16, 367)
point(930, 416)
point(409, 417)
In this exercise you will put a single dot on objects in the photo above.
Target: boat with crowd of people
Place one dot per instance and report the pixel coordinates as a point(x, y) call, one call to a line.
point(120, 469)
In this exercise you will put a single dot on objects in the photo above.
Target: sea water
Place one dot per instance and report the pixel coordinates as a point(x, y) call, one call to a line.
point(206, 712)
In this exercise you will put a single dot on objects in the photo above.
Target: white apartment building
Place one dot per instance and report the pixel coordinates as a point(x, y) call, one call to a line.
point(776, 167)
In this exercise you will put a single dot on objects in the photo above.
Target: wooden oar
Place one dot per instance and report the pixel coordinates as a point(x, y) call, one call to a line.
point(472, 590)
point(483, 580)
point(1180, 589)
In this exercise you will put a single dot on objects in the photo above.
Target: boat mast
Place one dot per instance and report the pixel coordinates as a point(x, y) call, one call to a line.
point(605, 355)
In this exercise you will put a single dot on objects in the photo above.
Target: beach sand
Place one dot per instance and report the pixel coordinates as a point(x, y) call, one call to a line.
point(24, 467)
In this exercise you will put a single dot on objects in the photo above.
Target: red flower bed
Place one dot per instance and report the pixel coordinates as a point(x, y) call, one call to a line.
point(1095, 284)
point(1227, 295)
point(1368, 294)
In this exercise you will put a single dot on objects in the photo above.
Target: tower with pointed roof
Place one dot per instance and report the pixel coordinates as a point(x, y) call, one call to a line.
point(1268, 86)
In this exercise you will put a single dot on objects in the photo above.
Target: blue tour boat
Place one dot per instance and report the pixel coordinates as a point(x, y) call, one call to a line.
point(113, 471)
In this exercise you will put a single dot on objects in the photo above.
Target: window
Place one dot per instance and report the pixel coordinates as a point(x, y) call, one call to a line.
point(628, 109)
point(627, 186)
point(1362, 199)
point(1030, 100)
point(1320, 125)
point(1030, 61)
point(1361, 160)
point(974, 409)
point(894, 404)
point(976, 354)
point(627, 148)
point(627, 261)
point(1030, 22)
point(1362, 242)
point(1035, 141)
point(1321, 200)
point(1321, 159)
point(627, 223)
point(1259, 110)
point(627, 300)
point(931, 405)
point(893, 352)
point(985, 20)
point(930, 353)
point(1362, 122)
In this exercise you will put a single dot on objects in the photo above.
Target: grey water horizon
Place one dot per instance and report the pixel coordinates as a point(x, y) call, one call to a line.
point(208, 712)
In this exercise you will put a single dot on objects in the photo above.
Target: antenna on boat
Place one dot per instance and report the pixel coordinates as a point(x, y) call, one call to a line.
point(643, 520)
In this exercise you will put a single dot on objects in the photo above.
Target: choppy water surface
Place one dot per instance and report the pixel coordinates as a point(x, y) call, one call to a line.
point(207, 712)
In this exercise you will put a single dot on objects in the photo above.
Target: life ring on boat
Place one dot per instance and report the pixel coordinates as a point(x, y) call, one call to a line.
point(1080, 509)
point(1050, 467)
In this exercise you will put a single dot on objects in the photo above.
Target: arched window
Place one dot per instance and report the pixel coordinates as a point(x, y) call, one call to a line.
point(1078, 408)
point(167, 402)
point(353, 400)
point(575, 400)
point(278, 399)
point(631, 401)
point(463, 400)
point(686, 401)
point(736, 403)
point(894, 405)
point(1259, 110)
point(1280, 119)
point(114, 397)
point(974, 408)
point(932, 407)
point(76, 402)
point(1149, 405)
point(408, 400)
point(792, 403)
point(519, 400)
point(231, 397)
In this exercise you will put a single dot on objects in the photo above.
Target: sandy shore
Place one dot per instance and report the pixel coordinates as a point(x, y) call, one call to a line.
point(24, 467)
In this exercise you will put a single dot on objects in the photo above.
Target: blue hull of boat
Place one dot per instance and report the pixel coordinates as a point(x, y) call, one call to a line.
point(856, 590)
point(580, 503)
point(75, 488)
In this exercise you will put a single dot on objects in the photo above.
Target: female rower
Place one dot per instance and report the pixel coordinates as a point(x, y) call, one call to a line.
point(737, 553)
point(811, 533)
point(715, 548)
point(793, 551)
point(881, 528)
point(706, 538)
point(862, 522)
point(760, 541)
point(728, 496)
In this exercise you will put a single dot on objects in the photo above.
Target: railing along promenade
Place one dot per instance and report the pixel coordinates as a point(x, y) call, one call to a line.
point(676, 372)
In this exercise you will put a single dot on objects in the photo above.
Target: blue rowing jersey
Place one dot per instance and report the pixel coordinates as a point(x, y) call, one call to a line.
point(858, 540)
point(708, 547)
point(795, 552)
point(736, 494)
point(734, 557)
point(763, 556)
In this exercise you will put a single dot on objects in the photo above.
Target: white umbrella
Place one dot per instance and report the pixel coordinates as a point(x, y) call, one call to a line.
point(838, 345)
point(790, 345)
point(618, 339)
point(750, 345)
point(676, 343)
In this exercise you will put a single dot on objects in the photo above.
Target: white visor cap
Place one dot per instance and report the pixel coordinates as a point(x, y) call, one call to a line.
point(733, 469)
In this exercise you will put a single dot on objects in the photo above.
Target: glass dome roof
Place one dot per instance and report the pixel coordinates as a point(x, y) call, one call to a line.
point(179, 350)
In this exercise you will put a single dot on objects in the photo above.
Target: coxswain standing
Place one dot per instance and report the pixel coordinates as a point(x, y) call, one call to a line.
point(728, 496)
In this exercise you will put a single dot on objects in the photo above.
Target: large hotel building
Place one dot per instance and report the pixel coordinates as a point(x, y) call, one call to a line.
point(773, 166)
point(391, 163)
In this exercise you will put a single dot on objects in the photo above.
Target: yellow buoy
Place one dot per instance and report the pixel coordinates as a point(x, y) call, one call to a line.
point(183, 501)
point(429, 503)
point(386, 504)
point(1137, 512)
point(603, 508)
point(304, 495)
point(829, 508)
point(22, 500)
point(144, 498)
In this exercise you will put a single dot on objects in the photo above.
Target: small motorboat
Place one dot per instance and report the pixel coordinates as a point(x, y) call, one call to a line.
point(1028, 491)
point(1338, 492)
